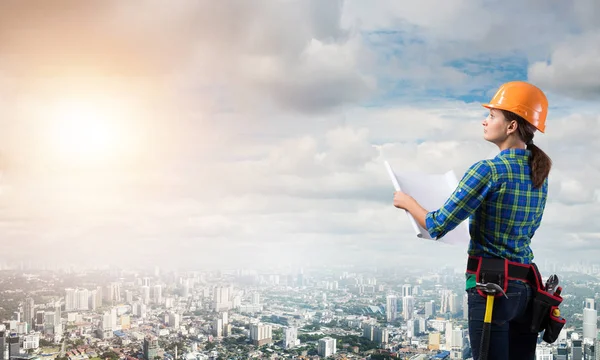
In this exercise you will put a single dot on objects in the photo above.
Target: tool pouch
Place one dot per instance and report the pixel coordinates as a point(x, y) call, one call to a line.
point(553, 327)
point(492, 270)
point(544, 303)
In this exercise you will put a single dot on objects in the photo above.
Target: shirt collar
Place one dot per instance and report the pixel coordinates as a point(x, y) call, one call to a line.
point(514, 153)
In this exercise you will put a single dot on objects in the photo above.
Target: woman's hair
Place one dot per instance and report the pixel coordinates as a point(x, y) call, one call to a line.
point(539, 162)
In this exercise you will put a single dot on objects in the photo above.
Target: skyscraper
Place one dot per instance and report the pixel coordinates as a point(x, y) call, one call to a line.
point(408, 307)
point(221, 298)
point(150, 348)
point(28, 314)
point(146, 295)
point(429, 309)
point(70, 299)
point(327, 346)
point(290, 337)
point(157, 294)
point(391, 308)
point(407, 290)
point(590, 315)
point(261, 334)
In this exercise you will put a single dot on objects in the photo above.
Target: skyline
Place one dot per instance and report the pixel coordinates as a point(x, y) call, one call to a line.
point(231, 133)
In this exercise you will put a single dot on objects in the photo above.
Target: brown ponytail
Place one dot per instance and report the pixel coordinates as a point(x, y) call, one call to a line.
point(539, 162)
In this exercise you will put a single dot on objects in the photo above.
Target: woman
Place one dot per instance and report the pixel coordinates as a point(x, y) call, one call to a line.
point(505, 199)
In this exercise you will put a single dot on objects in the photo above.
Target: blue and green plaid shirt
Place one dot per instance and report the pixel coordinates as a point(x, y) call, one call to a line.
point(504, 208)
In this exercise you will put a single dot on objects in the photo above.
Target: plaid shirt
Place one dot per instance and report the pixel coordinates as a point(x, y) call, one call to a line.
point(504, 208)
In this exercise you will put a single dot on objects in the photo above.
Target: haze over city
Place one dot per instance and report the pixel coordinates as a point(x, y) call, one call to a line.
point(205, 180)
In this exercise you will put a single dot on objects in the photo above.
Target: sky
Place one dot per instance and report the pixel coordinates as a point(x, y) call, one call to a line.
point(253, 133)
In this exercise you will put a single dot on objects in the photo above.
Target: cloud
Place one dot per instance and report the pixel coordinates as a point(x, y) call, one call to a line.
point(570, 68)
point(261, 128)
point(289, 52)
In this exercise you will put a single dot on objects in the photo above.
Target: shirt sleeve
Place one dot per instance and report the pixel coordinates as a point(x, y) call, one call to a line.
point(466, 198)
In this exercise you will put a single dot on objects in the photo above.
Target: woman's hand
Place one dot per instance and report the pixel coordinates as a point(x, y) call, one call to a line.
point(403, 200)
point(408, 203)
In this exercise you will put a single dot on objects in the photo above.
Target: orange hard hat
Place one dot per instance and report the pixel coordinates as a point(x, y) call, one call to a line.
point(523, 99)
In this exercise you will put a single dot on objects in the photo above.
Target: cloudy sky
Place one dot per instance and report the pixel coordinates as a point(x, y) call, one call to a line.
point(248, 133)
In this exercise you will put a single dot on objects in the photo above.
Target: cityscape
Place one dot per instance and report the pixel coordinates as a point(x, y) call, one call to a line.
point(206, 180)
point(303, 313)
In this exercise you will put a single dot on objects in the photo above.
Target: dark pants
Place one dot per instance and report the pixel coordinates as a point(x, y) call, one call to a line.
point(510, 337)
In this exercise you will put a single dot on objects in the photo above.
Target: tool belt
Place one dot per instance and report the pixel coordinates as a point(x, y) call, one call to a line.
point(500, 271)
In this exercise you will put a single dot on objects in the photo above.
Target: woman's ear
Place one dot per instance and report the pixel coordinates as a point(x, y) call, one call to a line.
point(512, 127)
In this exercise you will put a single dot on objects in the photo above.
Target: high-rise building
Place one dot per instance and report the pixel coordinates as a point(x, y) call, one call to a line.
point(327, 346)
point(2, 344)
point(448, 334)
point(83, 299)
point(70, 299)
point(290, 337)
point(458, 344)
point(157, 294)
point(112, 295)
point(174, 319)
point(49, 322)
point(429, 309)
point(261, 334)
point(150, 348)
point(116, 292)
point(391, 308)
point(92, 304)
point(543, 353)
point(590, 320)
point(221, 298)
point(381, 336)
point(217, 328)
point(589, 350)
point(146, 295)
point(28, 314)
point(255, 298)
point(14, 348)
point(39, 319)
point(78, 299)
point(407, 290)
point(576, 347)
point(99, 296)
point(408, 307)
point(128, 296)
point(446, 298)
point(454, 304)
point(411, 328)
point(368, 331)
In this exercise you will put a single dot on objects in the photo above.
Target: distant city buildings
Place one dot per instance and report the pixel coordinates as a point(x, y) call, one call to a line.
point(150, 348)
point(326, 346)
point(290, 337)
point(261, 334)
point(391, 308)
point(210, 313)
point(590, 321)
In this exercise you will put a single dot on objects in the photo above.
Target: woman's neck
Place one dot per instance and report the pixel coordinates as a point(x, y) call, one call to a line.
point(512, 143)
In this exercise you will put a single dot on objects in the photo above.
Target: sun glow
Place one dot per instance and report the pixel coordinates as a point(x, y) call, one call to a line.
point(87, 131)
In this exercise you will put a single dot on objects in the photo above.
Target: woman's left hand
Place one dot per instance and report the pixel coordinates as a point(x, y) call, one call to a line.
point(402, 200)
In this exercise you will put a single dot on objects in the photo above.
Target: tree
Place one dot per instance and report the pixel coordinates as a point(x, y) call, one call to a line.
point(44, 342)
point(277, 335)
